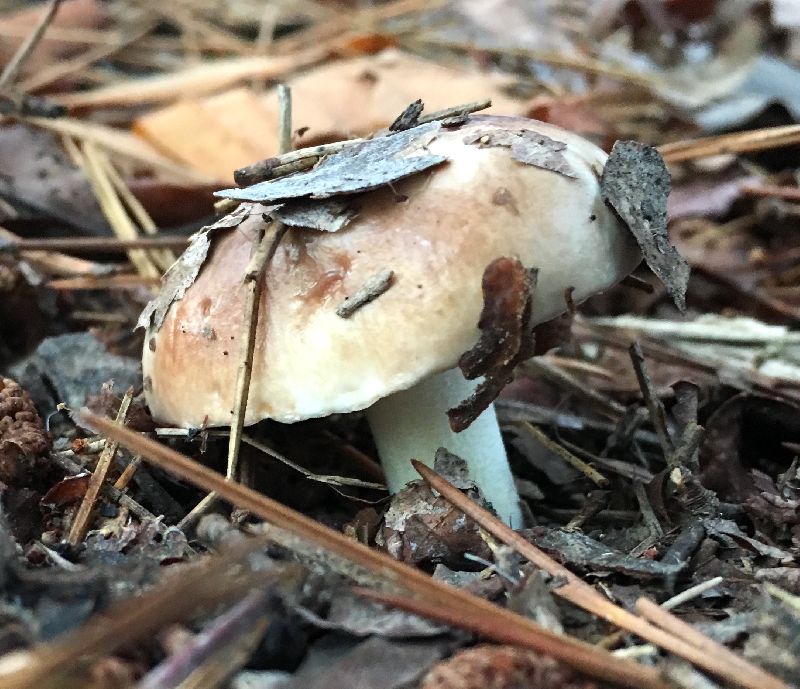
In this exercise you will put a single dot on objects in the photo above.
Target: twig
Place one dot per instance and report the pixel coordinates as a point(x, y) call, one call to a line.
point(583, 595)
point(650, 518)
point(81, 522)
point(264, 248)
point(497, 623)
point(127, 475)
point(80, 245)
point(654, 406)
point(28, 45)
point(456, 111)
point(587, 470)
point(774, 191)
point(370, 290)
point(605, 404)
point(230, 638)
point(291, 161)
point(125, 281)
point(691, 593)
point(739, 671)
point(740, 142)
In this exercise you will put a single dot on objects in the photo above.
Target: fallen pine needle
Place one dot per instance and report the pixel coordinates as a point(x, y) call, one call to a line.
point(583, 595)
point(495, 621)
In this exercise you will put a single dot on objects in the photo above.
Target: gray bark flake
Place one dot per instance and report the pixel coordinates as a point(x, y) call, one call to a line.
point(636, 183)
point(362, 167)
point(527, 147)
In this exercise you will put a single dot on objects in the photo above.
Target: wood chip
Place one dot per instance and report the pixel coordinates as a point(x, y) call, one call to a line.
point(371, 289)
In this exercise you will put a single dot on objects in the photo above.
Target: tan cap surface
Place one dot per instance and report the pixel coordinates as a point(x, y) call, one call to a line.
point(457, 218)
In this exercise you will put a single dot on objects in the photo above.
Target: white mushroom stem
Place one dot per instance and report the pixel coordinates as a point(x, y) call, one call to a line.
point(412, 424)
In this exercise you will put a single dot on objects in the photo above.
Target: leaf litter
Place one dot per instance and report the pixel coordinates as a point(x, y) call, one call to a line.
point(740, 245)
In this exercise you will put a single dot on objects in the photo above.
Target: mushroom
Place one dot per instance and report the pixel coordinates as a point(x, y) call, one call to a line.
point(395, 357)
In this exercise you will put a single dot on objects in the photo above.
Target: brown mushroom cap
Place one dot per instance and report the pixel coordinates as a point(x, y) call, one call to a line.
point(437, 231)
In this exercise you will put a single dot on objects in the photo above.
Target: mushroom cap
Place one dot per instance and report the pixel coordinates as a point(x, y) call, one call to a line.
point(437, 231)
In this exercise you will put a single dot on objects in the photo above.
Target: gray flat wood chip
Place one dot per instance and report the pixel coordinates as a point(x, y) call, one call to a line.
point(636, 183)
point(368, 165)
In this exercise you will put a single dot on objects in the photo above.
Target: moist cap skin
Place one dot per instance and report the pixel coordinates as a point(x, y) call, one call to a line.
point(436, 231)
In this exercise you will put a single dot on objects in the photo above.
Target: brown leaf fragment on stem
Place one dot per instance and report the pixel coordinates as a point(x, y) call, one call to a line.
point(529, 147)
point(506, 336)
point(370, 290)
point(635, 184)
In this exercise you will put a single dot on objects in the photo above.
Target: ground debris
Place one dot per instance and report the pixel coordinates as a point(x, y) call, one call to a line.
point(370, 290)
point(23, 439)
point(576, 548)
point(503, 667)
point(362, 167)
point(420, 526)
point(635, 183)
point(531, 148)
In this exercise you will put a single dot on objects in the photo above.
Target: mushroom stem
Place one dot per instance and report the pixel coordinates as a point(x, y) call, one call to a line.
point(412, 424)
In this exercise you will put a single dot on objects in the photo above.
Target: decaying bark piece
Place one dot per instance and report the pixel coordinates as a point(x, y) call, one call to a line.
point(531, 148)
point(506, 336)
point(636, 183)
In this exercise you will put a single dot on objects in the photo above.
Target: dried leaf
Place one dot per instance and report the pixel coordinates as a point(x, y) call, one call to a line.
point(529, 147)
point(337, 100)
point(185, 270)
point(635, 183)
point(371, 164)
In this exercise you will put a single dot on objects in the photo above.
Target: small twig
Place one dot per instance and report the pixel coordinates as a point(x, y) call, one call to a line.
point(605, 404)
point(583, 595)
point(28, 45)
point(496, 622)
point(688, 444)
point(370, 290)
point(226, 642)
point(587, 470)
point(738, 670)
point(650, 518)
point(80, 245)
point(127, 475)
point(81, 522)
point(775, 191)
point(654, 407)
point(691, 593)
point(286, 163)
point(264, 246)
point(740, 142)
point(456, 111)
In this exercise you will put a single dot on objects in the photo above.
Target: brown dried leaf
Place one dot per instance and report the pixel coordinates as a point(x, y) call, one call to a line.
point(636, 183)
point(421, 526)
point(529, 147)
point(337, 100)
